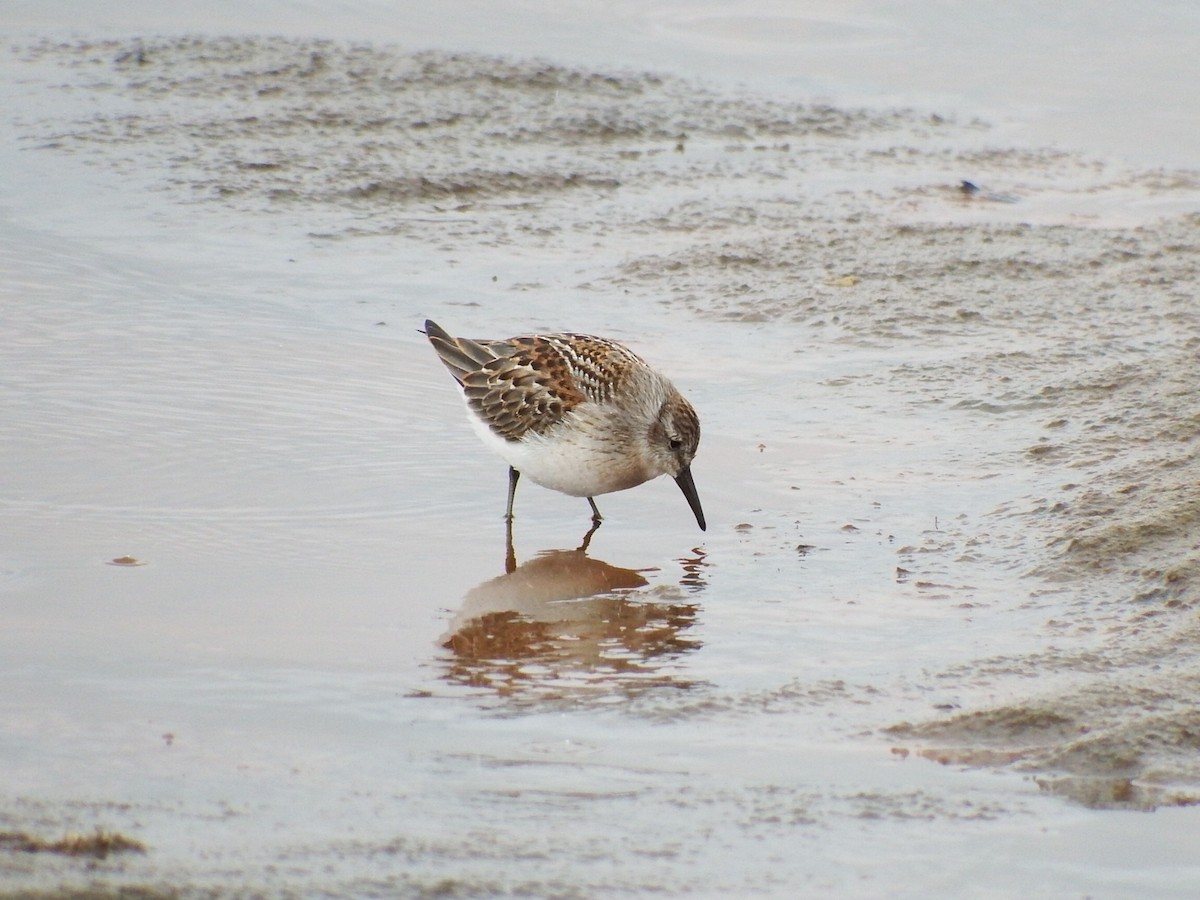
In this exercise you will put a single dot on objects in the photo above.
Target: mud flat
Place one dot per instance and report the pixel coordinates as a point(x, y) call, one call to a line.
point(946, 610)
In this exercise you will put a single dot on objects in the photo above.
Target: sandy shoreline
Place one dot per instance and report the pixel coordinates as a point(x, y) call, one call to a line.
point(974, 412)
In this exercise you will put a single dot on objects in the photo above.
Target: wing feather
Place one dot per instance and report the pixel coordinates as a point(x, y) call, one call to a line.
point(515, 387)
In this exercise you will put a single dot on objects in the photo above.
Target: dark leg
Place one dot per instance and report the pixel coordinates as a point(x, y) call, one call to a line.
point(510, 553)
point(513, 476)
point(596, 517)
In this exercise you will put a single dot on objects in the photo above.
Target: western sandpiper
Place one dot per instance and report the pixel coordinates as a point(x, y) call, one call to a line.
point(578, 414)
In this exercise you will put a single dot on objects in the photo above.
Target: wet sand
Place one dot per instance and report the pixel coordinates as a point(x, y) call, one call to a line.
point(937, 639)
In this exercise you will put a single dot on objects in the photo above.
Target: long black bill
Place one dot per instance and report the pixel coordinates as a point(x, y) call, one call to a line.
point(684, 480)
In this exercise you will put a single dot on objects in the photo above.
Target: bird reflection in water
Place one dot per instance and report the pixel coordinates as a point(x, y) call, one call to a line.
point(564, 626)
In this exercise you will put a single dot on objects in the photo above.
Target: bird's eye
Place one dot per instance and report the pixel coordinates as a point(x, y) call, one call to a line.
point(676, 444)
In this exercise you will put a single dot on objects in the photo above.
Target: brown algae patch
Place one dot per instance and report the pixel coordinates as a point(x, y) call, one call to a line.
point(99, 844)
point(1104, 744)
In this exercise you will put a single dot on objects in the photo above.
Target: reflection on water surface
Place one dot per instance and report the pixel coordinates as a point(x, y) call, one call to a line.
point(566, 624)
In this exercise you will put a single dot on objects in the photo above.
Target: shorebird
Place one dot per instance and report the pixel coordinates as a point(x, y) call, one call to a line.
point(575, 413)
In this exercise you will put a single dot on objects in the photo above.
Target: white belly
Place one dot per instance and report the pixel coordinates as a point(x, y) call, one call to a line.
point(574, 461)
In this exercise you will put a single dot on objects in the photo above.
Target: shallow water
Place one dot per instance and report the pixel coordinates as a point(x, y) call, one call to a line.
point(937, 638)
